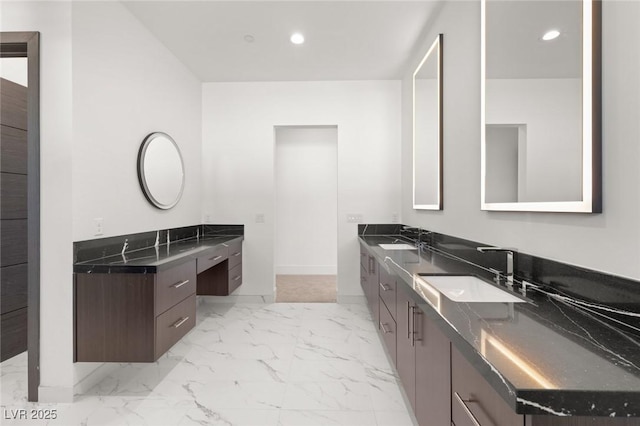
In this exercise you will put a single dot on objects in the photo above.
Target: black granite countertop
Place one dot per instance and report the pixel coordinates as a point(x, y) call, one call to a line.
point(554, 354)
point(154, 259)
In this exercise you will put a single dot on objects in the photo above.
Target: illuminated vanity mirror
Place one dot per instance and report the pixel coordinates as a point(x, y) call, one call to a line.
point(427, 130)
point(161, 170)
point(540, 115)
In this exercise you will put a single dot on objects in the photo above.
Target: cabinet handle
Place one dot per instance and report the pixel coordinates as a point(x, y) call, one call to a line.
point(409, 312)
point(384, 287)
point(180, 284)
point(179, 322)
point(236, 254)
point(216, 258)
point(414, 333)
point(237, 278)
point(384, 329)
point(466, 409)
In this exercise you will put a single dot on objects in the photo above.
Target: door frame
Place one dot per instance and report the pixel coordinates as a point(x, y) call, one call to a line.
point(277, 127)
point(27, 45)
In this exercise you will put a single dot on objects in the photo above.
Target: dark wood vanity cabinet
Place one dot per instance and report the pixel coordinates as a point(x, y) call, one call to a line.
point(220, 270)
point(134, 317)
point(423, 355)
point(442, 386)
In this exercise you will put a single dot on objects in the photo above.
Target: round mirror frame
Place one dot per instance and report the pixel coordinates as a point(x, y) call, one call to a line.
point(141, 175)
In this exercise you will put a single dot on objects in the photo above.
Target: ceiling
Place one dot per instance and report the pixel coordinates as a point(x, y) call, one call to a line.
point(345, 40)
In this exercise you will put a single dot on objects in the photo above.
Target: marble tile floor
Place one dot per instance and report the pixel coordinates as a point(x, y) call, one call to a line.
point(243, 364)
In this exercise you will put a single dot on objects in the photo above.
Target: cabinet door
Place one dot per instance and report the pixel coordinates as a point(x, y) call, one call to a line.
point(405, 345)
point(474, 400)
point(389, 330)
point(433, 373)
point(372, 289)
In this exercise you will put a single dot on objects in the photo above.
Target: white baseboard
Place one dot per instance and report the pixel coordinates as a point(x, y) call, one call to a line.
point(306, 269)
point(55, 394)
point(350, 299)
point(95, 377)
point(241, 298)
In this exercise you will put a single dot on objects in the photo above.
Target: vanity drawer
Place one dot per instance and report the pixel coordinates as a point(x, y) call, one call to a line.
point(473, 400)
point(175, 323)
point(212, 258)
point(174, 285)
point(235, 278)
point(388, 328)
point(387, 290)
point(235, 254)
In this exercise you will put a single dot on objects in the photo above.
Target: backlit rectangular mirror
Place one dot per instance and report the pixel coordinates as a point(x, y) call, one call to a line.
point(427, 130)
point(540, 111)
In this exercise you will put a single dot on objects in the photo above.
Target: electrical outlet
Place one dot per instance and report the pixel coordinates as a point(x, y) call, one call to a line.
point(394, 217)
point(98, 226)
point(259, 218)
point(354, 218)
point(207, 218)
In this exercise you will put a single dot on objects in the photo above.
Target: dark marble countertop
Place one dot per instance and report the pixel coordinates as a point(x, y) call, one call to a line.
point(154, 259)
point(552, 354)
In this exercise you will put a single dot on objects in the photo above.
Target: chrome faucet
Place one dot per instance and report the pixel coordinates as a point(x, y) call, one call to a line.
point(510, 256)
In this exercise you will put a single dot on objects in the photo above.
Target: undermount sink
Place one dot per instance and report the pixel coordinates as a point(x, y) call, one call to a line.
point(467, 288)
point(397, 247)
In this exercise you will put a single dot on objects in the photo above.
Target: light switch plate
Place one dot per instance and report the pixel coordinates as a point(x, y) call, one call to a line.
point(98, 226)
point(259, 218)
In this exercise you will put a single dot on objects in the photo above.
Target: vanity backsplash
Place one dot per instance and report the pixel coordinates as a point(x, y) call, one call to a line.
point(608, 298)
point(103, 247)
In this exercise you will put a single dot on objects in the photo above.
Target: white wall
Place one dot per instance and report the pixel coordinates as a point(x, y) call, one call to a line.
point(609, 241)
point(105, 83)
point(306, 170)
point(126, 84)
point(53, 20)
point(238, 162)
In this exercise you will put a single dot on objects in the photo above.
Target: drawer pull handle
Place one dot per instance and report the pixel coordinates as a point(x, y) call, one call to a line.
point(466, 409)
point(180, 322)
point(384, 287)
point(236, 254)
point(383, 326)
point(236, 278)
point(180, 284)
point(414, 333)
point(216, 257)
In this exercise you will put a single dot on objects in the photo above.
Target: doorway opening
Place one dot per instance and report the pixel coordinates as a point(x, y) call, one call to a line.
point(306, 211)
point(20, 212)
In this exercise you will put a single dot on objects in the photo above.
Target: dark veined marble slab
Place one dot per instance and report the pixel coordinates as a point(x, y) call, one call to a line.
point(138, 253)
point(573, 348)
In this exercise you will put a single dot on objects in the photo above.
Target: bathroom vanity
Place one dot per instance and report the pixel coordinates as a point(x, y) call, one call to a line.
point(550, 354)
point(134, 305)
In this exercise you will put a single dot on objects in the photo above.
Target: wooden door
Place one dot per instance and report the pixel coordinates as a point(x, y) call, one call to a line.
point(13, 218)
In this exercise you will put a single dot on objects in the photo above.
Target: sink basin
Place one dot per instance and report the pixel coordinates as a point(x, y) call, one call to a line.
point(467, 288)
point(397, 247)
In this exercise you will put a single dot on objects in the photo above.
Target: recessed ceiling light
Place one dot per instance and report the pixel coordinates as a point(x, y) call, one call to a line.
point(551, 35)
point(297, 38)
point(249, 38)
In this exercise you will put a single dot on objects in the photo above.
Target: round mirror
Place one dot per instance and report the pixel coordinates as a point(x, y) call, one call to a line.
point(161, 170)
